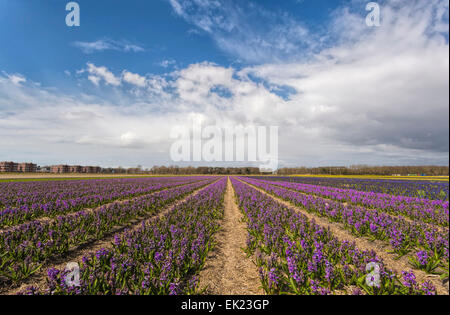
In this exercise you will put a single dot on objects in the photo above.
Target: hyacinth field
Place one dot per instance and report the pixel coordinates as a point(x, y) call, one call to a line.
point(185, 235)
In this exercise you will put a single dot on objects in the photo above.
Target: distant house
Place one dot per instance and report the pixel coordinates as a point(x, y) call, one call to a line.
point(27, 167)
point(75, 169)
point(78, 169)
point(44, 169)
point(91, 169)
point(60, 169)
point(11, 167)
point(8, 167)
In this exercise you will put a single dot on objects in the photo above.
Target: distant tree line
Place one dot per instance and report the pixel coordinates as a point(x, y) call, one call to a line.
point(332, 170)
point(176, 170)
point(205, 170)
point(368, 170)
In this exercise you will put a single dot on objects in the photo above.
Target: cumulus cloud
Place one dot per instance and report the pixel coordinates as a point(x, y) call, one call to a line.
point(97, 74)
point(15, 78)
point(389, 87)
point(94, 79)
point(133, 78)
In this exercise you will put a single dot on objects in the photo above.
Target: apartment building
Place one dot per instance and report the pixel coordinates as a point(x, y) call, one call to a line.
point(12, 167)
point(27, 167)
point(8, 167)
point(60, 169)
point(75, 169)
point(91, 169)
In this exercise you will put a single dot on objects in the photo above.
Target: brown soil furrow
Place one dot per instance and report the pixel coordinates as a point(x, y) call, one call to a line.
point(228, 271)
point(50, 220)
point(403, 217)
point(76, 254)
point(381, 248)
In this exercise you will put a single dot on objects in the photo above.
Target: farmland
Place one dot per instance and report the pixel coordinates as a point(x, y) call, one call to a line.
point(224, 235)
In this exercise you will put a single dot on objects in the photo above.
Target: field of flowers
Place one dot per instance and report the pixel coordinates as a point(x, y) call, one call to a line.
point(412, 228)
point(20, 202)
point(26, 247)
point(297, 256)
point(410, 188)
point(154, 236)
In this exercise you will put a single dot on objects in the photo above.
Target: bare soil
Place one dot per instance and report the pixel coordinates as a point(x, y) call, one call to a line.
point(381, 248)
point(228, 271)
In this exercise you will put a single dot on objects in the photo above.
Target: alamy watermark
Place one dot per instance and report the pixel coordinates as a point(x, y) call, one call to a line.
point(255, 144)
point(73, 17)
point(373, 278)
point(373, 18)
point(72, 277)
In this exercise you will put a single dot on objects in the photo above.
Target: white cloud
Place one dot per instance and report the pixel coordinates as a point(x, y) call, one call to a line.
point(102, 73)
point(153, 84)
point(387, 86)
point(247, 30)
point(107, 44)
point(167, 63)
point(133, 78)
point(94, 79)
point(15, 78)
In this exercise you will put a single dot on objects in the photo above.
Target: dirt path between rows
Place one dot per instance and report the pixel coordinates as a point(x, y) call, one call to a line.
point(39, 280)
point(228, 271)
point(381, 248)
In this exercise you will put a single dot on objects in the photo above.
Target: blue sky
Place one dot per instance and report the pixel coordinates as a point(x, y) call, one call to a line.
point(106, 92)
point(40, 45)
